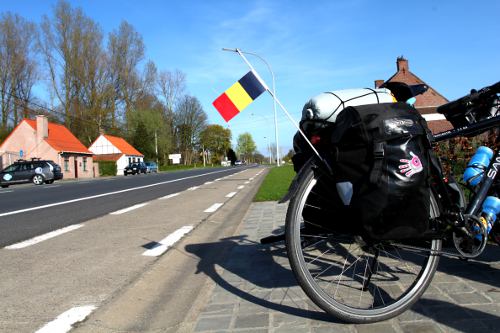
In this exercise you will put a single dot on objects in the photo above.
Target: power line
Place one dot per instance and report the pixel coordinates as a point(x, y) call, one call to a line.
point(18, 100)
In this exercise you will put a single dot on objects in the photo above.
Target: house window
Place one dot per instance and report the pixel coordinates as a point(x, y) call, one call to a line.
point(84, 164)
point(66, 163)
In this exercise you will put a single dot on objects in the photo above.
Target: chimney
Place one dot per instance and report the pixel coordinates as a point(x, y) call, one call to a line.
point(42, 127)
point(378, 83)
point(402, 64)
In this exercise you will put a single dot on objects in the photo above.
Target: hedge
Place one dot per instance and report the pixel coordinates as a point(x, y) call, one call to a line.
point(107, 168)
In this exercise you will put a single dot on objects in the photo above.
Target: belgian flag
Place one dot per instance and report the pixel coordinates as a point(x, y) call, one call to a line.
point(239, 96)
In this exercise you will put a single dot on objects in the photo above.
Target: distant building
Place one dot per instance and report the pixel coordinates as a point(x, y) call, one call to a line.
point(427, 103)
point(115, 149)
point(49, 141)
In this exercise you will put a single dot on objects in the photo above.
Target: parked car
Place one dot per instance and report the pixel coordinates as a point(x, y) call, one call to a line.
point(35, 170)
point(135, 168)
point(151, 167)
point(238, 162)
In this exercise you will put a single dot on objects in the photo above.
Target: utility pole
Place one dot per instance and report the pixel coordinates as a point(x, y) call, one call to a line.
point(156, 147)
point(203, 149)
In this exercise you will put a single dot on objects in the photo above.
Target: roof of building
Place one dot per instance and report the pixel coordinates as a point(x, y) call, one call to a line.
point(107, 157)
point(430, 98)
point(61, 139)
point(427, 102)
point(122, 145)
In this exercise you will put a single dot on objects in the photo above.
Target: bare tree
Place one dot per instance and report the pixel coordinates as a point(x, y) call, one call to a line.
point(190, 121)
point(18, 68)
point(172, 86)
point(126, 51)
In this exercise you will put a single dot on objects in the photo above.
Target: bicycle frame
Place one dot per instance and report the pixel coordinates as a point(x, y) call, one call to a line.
point(493, 169)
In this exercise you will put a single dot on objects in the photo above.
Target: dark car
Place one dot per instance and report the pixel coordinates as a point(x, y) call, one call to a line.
point(135, 168)
point(34, 170)
point(151, 167)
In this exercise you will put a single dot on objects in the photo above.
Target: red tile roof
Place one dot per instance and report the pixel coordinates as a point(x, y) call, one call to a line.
point(61, 139)
point(122, 145)
point(107, 157)
point(437, 126)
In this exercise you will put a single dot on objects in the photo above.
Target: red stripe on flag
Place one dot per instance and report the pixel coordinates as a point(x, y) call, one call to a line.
point(226, 107)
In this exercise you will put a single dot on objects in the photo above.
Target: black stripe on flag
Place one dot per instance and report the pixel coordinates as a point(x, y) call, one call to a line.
point(252, 85)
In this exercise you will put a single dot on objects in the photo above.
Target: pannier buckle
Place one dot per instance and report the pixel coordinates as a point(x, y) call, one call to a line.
point(378, 150)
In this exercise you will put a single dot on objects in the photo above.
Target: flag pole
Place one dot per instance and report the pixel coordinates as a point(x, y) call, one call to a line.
point(240, 52)
point(273, 95)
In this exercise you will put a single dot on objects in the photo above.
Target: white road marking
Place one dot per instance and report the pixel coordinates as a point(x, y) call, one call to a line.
point(125, 210)
point(41, 238)
point(105, 194)
point(213, 208)
point(6, 191)
point(170, 196)
point(208, 183)
point(64, 322)
point(230, 195)
point(168, 241)
point(247, 182)
point(240, 187)
point(250, 179)
point(192, 188)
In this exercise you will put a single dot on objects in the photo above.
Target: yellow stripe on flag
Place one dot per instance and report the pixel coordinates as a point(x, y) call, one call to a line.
point(239, 96)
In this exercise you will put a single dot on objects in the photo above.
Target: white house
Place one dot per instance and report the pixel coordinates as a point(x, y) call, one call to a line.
point(113, 148)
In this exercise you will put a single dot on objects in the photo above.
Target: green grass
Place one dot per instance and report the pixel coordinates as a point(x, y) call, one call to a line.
point(276, 184)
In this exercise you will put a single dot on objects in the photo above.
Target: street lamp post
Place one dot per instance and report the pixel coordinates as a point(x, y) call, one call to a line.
point(274, 95)
point(269, 149)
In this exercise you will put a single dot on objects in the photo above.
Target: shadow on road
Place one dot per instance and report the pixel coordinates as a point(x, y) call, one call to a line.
point(251, 262)
point(266, 268)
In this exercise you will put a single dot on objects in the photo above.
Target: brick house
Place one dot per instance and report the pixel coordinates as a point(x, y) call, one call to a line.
point(42, 139)
point(427, 102)
point(115, 149)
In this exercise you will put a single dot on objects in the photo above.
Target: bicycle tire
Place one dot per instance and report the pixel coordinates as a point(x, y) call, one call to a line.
point(346, 248)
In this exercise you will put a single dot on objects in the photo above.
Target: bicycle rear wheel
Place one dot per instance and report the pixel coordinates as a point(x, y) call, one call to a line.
point(340, 273)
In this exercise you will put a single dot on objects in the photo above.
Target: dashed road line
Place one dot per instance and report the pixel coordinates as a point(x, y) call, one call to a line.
point(230, 195)
point(168, 242)
point(64, 322)
point(192, 188)
point(208, 183)
point(41, 238)
point(1, 192)
point(126, 210)
point(247, 182)
point(213, 208)
point(240, 187)
point(169, 196)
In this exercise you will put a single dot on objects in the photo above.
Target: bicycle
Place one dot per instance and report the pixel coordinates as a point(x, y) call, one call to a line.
point(363, 281)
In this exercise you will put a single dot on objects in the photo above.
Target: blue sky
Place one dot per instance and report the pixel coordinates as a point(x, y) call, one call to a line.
point(312, 46)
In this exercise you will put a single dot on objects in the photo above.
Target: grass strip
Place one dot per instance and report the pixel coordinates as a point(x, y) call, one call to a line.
point(276, 184)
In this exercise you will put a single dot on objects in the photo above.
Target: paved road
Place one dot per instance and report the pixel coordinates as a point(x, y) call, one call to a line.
point(90, 267)
point(24, 207)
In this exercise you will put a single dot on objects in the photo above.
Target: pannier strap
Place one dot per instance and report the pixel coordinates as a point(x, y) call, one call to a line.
point(378, 162)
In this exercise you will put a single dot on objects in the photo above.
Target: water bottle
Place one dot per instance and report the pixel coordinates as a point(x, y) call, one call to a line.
point(491, 208)
point(477, 165)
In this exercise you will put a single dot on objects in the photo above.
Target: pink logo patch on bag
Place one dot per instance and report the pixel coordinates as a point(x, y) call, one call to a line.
point(411, 167)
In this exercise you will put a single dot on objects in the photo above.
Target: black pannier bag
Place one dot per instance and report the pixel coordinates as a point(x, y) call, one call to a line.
point(382, 169)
